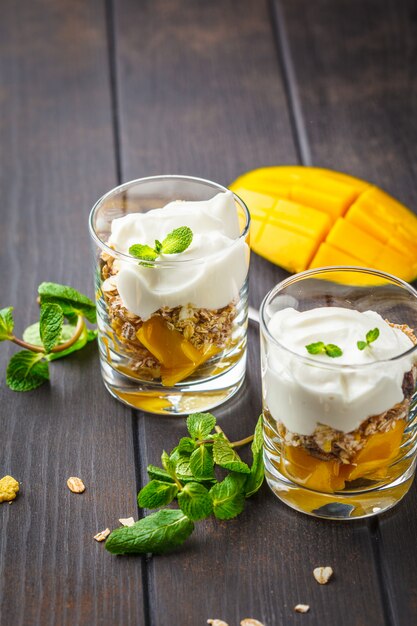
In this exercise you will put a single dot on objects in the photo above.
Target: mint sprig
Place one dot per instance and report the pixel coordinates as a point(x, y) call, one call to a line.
point(174, 243)
point(371, 336)
point(50, 338)
point(319, 347)
point(198, 494)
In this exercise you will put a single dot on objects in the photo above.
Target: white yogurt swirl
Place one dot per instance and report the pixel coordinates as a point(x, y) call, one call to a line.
point(303, 395)
point(221, 258)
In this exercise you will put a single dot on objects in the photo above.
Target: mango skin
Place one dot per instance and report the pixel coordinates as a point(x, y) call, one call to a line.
point(310, 217)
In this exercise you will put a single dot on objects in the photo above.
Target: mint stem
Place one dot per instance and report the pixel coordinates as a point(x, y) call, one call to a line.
point(63, 346)
point(234, 444)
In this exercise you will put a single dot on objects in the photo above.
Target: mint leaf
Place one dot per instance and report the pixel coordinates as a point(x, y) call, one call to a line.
point(158, 473)
point(156, 494)
point(316, 348)
point(372, 335)
point(333, 351)
point(6, 323)
point(225, 456)
point(186, 445)
point(26, 371)
point(195, 502)
point(50, 324)
point(228, 497)
point(72, 302)
point(201, 463)
point(200, 425)
point(256, 477)
point(177, 241)
point(321, 348)
point(158, 533)
point(169, 465)
point(143, 252)
point(32, 335)
point(183, 468)
point(362, 345)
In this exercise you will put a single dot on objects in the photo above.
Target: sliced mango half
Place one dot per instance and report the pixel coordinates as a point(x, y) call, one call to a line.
point(308, 217)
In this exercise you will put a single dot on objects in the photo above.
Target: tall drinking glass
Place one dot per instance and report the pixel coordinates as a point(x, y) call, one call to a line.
point(172, 329)
point(339, 376)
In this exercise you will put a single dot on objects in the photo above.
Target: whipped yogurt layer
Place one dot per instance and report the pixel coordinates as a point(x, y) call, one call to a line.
point(208, 274)
point(338, 392)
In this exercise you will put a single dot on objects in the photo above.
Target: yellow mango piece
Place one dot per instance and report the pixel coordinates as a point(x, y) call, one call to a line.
point(352, 240)
point(376, 231)
point(284, 247)
point(332, 205)
point(307, 470)
point(178, 357)
point(379, 451)
point(299, 218)
point(328, 255)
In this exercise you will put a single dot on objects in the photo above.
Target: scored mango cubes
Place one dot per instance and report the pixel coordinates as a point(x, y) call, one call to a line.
point(308, 217)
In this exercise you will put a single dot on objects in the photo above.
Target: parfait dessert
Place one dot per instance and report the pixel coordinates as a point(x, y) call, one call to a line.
point(172, 299)
point(338, 386)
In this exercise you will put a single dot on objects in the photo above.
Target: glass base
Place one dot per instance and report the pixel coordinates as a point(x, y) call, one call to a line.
point(182, 399)
point(340, 505)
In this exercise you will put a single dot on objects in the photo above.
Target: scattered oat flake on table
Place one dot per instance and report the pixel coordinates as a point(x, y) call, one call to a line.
point(323, 574)
point(127, 521)
point(217, 622)
point(9, 488)
point(249, 621)
point(75, 484)
point(102, 535)
point(302, 608)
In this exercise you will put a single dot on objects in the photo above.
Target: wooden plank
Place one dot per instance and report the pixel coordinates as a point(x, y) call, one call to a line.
point(356, 82)
point(56, 158)
point(200, 93)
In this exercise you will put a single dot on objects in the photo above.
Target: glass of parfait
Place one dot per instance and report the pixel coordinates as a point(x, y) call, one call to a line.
point(171, 266)
point(339, 369)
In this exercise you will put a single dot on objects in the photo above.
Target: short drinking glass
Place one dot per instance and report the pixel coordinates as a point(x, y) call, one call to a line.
point(171, 263)
point(339, 375)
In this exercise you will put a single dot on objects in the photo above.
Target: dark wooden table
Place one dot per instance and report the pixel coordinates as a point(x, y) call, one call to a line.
point(95, 92)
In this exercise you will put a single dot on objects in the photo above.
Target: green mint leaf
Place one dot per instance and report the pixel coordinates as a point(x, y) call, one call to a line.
point(195, 502)
point(50, 325)
point(72, 302)
point(168, 464)
point(183, 467)
point(158, 246)
point(177, 241)
point(372, 335)
point(333, 351)
point(362, 345)
point(225, 456)
point(316, 348)
point(256, 477)
point(156, 494)
point(158, 473)
point(201, 463)
point(26, 371)
point(6, 323)
point(158, 533)
point(143, 252)
point(186, 445)
point(228, 497)
point(32, 335)
point(200, 425)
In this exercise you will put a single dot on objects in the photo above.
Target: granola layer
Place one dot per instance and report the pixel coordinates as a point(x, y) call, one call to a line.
point(201, 327)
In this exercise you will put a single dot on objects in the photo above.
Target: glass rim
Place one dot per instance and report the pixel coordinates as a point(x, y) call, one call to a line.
point(165, 263)
point(325, 270)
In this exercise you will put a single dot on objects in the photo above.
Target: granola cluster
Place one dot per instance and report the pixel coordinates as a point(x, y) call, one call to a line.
point(329, 444)
point(201, 327)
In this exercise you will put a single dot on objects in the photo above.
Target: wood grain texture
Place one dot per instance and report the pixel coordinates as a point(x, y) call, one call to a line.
point(354, 63)
point(56, 158)
point(200, 92)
